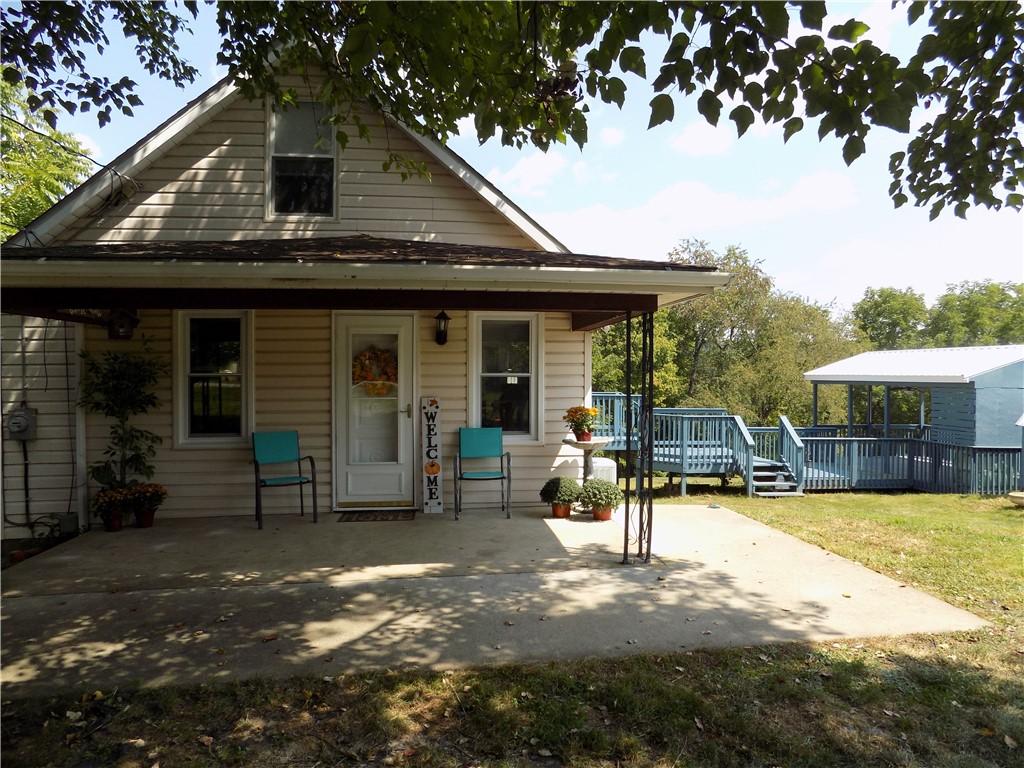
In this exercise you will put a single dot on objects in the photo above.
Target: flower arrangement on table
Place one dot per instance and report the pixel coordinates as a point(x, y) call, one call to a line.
point(581, 420)
point(376, 370)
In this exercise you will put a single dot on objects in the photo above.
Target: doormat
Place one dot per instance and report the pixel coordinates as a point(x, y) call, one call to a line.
point(375, 515)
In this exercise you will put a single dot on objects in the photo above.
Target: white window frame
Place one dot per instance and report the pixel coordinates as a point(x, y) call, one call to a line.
point(269, 214)
point(475, 364)
point(182, 438)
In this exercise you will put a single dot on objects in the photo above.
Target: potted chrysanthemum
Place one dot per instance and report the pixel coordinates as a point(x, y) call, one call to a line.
point(561, 493)
point(581, 420)
point(602, 497)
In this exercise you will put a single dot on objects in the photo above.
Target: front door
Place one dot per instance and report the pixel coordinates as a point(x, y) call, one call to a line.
point(373, 432)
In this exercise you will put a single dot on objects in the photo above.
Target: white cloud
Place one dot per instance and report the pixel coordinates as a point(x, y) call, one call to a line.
point(701, 139)
point(612, 137)
point(89, 146)
point(531, 175)
point(692, 208)
point(903, 249)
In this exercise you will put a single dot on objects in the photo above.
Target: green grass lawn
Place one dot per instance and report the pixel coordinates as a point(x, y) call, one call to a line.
point(947, 700)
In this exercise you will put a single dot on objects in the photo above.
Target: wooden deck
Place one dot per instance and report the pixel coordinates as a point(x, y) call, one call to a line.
point(710, 442)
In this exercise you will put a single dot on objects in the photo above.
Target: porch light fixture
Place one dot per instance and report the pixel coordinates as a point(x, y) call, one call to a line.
point(121, 324)
point(441, 331)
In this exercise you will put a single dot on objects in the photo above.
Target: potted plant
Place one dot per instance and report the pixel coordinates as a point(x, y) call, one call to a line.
point(581, 420)
point(602, 497)
point(145, 499)
point(119, 385)
point(561, 493)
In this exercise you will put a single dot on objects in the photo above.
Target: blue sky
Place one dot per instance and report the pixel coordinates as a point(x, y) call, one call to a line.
point(820, 229)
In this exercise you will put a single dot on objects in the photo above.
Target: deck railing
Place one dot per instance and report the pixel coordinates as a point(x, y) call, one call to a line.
point(710, 441)
point(902, 463)
point(792, 451)
point(864, 430)
point(743, 452)
point(766, 441)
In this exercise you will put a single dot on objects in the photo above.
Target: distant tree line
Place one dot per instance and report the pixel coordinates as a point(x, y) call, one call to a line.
point(745, 347)
point(967, 314)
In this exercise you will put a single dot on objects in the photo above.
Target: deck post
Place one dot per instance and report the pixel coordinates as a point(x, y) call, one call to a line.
point(849, 410)
point(870, 414)
point(920, 411)
point(886, 412)
point(814, 403)
point(1020, 480)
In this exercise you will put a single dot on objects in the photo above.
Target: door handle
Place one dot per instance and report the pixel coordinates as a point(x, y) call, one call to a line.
point(407, 410)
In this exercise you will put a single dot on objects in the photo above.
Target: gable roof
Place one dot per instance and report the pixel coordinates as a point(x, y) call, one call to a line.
point(943, 365)
point(90, 197)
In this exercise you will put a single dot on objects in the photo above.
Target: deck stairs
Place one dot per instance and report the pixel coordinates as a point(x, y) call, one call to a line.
point(773, 479)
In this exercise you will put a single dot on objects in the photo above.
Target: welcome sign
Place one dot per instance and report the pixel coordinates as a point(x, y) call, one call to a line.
point(430, 410)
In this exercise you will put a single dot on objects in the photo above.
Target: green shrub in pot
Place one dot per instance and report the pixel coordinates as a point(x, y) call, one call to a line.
point(602, 497)
point(561, 493)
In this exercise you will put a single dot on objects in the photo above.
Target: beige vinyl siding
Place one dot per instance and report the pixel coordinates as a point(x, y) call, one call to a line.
point(211, 186)
point(444, 371)
point(292, 370)
point(48, 380)
point(293, 379)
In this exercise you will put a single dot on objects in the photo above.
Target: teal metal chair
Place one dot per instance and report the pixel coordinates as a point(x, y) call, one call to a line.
point(281, 448)
point(483, 443)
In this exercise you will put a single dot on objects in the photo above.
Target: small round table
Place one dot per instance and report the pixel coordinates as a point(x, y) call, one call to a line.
point(588, 447)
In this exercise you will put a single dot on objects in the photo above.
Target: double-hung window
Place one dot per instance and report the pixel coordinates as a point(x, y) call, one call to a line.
point(213, 398)
point(506, 390)
point(301, 162)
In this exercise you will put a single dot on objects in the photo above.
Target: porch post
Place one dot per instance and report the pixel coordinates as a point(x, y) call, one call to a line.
point(629, 434)
point(920, 409)
point(645, 478)
point(814, 403)
point(849, 410)
point(885, 412)
point(870, 415)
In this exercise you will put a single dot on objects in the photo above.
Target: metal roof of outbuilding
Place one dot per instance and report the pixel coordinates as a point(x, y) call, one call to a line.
point(940, 365)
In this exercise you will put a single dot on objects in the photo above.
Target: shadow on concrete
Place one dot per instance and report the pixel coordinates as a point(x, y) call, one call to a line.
point(539, 590)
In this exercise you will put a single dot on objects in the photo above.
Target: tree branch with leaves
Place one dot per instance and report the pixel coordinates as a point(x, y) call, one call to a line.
point(528, 74)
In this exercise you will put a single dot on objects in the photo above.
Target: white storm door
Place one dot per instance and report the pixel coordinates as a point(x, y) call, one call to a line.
point(373, 433)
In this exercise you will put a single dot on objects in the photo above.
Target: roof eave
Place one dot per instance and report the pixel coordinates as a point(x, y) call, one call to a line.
point(859, 379)
point(673, 286)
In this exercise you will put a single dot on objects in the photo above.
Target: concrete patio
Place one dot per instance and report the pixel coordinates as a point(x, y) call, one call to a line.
point(215, 599)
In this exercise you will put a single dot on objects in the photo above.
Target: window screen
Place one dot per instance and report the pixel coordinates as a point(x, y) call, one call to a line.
point(302, 162)
point(506, 375)
point(215, 376)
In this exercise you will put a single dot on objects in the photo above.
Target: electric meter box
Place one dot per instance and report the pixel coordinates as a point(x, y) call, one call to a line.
point(21, 423)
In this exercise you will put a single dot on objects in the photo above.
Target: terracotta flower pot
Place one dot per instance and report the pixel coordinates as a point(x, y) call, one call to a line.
point(144, 518)
point(113, 521)
point(583, 436)
point(561, 510)
point(602, 513)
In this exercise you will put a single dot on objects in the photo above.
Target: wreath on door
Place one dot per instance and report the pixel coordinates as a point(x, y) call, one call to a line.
point(376, 369)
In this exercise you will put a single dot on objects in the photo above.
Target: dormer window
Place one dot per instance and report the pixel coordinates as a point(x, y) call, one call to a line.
point(301, 162)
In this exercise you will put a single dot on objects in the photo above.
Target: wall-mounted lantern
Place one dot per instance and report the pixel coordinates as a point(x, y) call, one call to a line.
point(441, 330)
point(121, 324)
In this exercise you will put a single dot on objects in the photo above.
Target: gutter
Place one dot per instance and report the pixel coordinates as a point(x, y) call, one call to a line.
point(46, 273)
